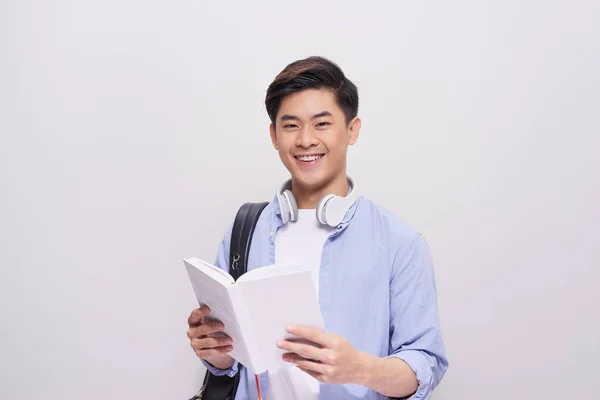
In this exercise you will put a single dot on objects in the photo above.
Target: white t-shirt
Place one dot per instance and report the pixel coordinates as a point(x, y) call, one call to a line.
point(299, 242)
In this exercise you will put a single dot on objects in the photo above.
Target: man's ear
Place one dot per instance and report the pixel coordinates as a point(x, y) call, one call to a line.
point(354, 130)
point(273, 136)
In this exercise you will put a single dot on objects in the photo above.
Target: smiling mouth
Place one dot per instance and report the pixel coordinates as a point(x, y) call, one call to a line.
point(311, 158)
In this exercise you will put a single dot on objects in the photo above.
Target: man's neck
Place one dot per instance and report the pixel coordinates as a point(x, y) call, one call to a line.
point(308, 198)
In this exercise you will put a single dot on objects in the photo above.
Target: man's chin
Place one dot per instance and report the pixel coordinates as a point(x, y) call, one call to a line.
point(311, 182)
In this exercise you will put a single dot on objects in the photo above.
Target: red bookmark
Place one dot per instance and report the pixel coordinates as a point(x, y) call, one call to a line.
point(258, 387)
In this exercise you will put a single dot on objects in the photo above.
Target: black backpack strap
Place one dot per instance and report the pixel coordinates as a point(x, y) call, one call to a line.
point(241, 237)
point(224, 387)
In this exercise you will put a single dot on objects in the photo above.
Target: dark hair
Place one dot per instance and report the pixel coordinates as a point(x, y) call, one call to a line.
point(313, 73)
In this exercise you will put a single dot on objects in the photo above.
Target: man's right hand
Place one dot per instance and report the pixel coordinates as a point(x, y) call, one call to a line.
point(208, 340)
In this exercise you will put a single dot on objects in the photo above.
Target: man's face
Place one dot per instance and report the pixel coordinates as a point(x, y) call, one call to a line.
point(312, 138)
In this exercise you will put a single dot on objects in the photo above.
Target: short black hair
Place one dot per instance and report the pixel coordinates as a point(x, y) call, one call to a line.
point(313, 73)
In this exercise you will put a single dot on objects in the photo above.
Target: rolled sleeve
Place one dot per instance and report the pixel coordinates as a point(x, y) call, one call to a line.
point(231, 371)
point(422, 367)
point(414, 323)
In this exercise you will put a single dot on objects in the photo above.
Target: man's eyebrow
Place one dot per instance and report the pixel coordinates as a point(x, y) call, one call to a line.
point(286, 117)
point(322, 114)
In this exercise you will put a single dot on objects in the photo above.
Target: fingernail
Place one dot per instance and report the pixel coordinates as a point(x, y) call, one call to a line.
point(280, 344)
point(290, 328)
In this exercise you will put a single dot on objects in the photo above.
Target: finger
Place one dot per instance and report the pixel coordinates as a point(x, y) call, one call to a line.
point(314, 374)
point(213, 352)
point(304, 350)
point(197, 315)
point(211, 327)
point(312, 334)
point(318, 368)
point(294, 358)
point(210, 343)
point(206, 329)
point(218, 334)
point(207, 319)
point(310, 365)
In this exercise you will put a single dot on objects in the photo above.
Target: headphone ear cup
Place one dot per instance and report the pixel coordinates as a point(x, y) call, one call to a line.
point(335, 211)
point(292, 205)
point(322, 209)
point(285, 208)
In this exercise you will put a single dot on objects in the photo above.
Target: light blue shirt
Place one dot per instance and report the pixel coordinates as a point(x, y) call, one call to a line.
point(376, 289)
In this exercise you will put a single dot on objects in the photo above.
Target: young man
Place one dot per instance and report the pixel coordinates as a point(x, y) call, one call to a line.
point(373, 272)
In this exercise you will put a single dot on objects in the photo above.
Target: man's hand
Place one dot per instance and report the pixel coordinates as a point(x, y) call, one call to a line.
point(208, 340)
point(336, 361)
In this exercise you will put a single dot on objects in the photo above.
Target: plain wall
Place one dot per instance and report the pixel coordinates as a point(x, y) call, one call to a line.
point(131, 131)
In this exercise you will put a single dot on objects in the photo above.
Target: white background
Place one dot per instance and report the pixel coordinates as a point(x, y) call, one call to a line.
point(131, 131)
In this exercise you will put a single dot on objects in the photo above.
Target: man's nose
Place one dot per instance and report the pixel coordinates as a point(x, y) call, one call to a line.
point(307, 137)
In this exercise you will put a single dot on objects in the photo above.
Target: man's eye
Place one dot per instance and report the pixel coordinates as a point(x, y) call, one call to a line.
point(323, 124)
point(287, 126)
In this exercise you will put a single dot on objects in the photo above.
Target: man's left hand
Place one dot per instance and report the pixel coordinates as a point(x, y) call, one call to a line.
point(336, 361)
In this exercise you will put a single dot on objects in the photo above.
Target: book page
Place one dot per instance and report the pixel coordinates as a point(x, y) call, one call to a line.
point(217, 297)
point(275, 298)
point(270, 271)
point(211, 270)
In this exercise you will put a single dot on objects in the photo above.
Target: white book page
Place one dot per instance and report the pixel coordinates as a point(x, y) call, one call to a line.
point(270, 271)
point(211, 270)
point(217, 297)
point(245, 327)
point(274, 298)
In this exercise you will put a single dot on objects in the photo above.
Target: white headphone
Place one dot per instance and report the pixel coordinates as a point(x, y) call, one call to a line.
point(330, 211)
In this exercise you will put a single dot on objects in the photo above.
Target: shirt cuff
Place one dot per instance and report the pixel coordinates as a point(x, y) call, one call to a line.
point(420, 365)
point(230, 372)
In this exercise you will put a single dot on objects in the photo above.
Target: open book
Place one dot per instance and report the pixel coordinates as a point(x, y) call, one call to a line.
point(256, 309)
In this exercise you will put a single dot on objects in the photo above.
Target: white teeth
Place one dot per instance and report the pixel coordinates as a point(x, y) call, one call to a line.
point(309, 158)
